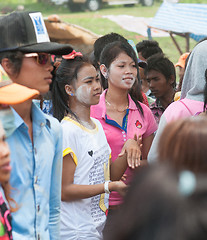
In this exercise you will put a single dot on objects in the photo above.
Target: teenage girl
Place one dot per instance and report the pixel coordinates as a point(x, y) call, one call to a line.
point(119, 112)
point(86, 153)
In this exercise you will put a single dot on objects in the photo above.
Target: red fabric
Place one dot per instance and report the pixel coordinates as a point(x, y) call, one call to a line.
point(145, 101)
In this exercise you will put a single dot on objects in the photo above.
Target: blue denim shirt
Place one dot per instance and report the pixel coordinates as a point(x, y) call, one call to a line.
point(36, 177)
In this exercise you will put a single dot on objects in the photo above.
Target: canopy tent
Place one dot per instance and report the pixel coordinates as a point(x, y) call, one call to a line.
point(185, 20)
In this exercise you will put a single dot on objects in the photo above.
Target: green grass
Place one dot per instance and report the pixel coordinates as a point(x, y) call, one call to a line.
point(103, 26)
point(94, 21)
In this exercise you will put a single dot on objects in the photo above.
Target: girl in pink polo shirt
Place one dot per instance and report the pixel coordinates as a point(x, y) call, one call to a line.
point(86, 154)
point(119, 112)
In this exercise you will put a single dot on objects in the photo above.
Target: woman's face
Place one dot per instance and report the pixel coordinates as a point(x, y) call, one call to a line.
point(122, 72)
point(5, 167)
point(88, 86)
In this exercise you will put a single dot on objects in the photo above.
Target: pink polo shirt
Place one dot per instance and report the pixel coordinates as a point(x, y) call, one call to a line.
point(116, 137)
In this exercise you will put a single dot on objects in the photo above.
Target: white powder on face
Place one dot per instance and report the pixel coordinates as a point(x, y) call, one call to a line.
point(125, 80)
point(83, 94)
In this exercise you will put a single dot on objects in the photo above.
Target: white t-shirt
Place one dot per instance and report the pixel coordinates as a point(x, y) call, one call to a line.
point(85, 219)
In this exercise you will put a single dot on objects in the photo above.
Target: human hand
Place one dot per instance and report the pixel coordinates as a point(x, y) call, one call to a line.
point(118, 186)
point(124, 177)
point(132, 148)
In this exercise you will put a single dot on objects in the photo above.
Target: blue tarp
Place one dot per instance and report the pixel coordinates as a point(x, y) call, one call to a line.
point(182, 18)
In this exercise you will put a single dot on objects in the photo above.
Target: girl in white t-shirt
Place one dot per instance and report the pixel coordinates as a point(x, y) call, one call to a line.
point(86, 153)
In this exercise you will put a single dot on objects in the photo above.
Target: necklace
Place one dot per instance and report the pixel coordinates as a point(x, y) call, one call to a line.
point(116, 109)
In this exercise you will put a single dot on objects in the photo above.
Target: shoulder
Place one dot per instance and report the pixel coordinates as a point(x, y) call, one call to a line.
point(98, 109)
point(53, 121)
point(54, 128)
point(68, 125)
point(98, 124)
point(182, 108)
point(146, 109)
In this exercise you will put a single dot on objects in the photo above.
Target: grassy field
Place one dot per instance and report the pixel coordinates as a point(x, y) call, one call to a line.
point(94, 21)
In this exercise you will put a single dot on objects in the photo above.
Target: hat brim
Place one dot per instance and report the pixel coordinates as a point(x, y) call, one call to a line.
point(48, 47)
point(16, 93)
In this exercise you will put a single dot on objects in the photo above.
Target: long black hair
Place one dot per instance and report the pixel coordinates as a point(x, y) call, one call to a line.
point(66, 74)
point(109, 54)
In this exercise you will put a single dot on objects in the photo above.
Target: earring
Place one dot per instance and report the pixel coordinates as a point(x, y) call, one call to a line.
point(71, 94)
point(106, 76)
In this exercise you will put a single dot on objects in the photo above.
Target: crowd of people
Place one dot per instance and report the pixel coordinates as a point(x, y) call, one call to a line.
point(100, 146)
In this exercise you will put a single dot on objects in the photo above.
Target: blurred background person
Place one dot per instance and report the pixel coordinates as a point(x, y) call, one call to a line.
point(181, 65)
point(177, 139)
point(163, 204)
point(161, 76)
point(146, 49)
point(192, 94)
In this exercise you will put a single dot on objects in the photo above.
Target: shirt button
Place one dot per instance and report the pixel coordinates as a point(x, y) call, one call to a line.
point(38, 208)
point(124, 140)
point(42, 124)
point(124, 135)
point(123, 132)
point(35, 180)
point(38, 237)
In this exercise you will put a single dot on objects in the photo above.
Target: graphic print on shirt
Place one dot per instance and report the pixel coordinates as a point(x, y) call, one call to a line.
point(90, 153)
point(97, 176)
point(138, 124)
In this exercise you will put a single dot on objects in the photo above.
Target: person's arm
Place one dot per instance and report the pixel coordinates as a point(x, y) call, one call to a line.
point(55, 189)
point(153, 154)
point(146, 144)
point(129, 157)
point(72, 192)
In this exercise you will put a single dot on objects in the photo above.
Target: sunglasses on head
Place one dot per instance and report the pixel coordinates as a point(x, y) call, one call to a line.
point(41, 58)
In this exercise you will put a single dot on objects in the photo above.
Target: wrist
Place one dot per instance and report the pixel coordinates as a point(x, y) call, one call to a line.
point(106, 187)
point(112, 186)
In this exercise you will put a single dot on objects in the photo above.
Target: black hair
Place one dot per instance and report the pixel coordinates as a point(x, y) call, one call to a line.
point(109, 54)
point(66, 74)
point(101, 42)
point(162, 64)
point(16, 58)
point(148, 48)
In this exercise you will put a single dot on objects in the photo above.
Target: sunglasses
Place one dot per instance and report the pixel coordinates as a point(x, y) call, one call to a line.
point(41, 58)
